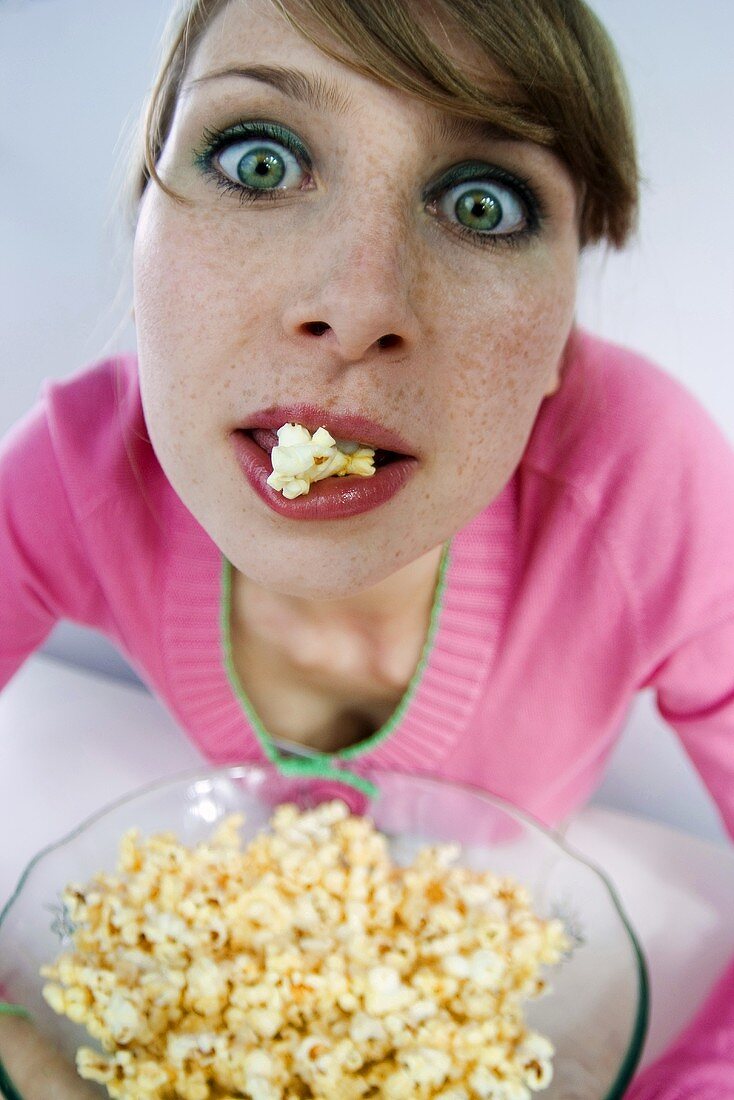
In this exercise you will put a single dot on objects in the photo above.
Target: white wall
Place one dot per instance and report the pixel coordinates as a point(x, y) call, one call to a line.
point(72, 76)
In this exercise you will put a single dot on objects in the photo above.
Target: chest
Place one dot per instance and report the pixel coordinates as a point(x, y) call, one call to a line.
point(322, 707)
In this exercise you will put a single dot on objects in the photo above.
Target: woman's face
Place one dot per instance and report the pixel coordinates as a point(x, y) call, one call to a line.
point(384, 269)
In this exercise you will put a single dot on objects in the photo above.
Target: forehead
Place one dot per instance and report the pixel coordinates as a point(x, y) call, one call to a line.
point(253, 38)
point(255, 30)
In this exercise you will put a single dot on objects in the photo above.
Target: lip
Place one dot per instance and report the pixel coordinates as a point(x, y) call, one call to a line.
point(331, 498)
point(352, 426)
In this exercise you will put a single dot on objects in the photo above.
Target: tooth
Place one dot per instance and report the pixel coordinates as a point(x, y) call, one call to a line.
point(346, 446)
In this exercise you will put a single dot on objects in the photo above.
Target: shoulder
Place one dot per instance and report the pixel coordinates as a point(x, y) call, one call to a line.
point(649, 474)
point(622, 423)
point(56, 464)
point(83, 450)
point(96, 423)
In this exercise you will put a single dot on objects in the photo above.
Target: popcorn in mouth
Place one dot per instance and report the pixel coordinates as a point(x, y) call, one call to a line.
point(300, 459)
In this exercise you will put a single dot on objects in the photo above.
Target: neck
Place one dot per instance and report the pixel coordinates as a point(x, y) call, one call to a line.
point(376, 610)
point(368, 642)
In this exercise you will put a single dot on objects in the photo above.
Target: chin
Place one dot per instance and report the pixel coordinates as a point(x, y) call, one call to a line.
point(326, 581)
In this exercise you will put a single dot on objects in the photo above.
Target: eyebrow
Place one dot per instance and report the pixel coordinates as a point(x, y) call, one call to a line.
point(329, 96)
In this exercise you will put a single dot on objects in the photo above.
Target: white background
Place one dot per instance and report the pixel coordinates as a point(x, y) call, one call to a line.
point(73, 74)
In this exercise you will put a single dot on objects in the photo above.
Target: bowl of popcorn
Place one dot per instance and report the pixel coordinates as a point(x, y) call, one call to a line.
point(240, 933)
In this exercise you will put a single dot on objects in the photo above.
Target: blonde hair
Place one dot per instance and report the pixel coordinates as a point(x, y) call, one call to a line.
point(566, 87)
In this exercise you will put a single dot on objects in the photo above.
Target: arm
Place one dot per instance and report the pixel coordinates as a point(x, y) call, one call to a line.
point(695, 694)
point(44, 571)
point(44, 576)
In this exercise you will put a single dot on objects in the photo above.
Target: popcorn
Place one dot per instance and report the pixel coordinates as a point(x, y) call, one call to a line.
point(299, 459)
point(385, 992)
point(305, 965)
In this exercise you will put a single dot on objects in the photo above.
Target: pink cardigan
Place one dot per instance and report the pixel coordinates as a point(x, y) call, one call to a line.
point(606, 565)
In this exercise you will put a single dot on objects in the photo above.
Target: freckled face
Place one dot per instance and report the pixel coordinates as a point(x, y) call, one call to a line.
point(370, 229)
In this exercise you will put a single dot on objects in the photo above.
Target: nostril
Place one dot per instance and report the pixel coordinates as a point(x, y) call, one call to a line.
point(388, 341)
point(316, 327)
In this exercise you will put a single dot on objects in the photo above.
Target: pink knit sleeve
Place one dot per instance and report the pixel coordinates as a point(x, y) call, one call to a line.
point(44, 572)
point(695, 694)
point(700, 1063)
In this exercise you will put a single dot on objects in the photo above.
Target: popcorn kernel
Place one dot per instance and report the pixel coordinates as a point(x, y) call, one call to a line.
point(300, 459)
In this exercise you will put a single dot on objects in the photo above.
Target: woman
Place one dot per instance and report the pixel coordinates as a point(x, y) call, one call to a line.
point(368, 219)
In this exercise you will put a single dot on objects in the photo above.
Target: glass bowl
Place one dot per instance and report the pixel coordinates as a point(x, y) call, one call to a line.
point(595, 1015)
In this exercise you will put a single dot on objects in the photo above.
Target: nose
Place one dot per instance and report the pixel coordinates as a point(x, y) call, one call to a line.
point(360, 292)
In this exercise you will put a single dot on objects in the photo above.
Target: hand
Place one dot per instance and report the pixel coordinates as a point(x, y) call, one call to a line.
point(35, 1067)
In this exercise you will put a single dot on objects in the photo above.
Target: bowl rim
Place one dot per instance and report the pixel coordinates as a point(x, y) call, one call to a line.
point(640, 1027)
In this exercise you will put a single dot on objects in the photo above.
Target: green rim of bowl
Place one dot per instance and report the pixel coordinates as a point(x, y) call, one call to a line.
point(631, 1059)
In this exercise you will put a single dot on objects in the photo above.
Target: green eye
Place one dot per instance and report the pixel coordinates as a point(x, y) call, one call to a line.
point(259, 165)
point(485, 207)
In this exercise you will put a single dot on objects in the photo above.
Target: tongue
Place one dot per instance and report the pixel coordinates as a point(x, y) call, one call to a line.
point(265, 438)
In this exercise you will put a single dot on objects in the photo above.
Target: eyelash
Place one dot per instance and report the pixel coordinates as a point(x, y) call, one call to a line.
point(217, 141)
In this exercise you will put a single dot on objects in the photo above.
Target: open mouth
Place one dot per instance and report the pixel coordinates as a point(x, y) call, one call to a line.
point(336, 496)
point(267, 439)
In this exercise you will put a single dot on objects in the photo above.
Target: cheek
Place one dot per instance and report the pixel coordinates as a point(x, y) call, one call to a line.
point(180, 279)
point(512, 333)
point(510, 339)
point(199, 309)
